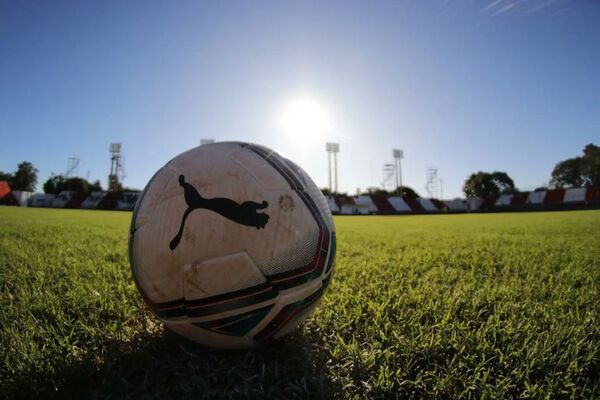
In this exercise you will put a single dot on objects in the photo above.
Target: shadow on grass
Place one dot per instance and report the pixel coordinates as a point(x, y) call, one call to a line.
point(164, 365)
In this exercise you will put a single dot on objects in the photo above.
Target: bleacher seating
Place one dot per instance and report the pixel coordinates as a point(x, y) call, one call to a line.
point(364, 205)
point(504, 200)
point(399, 204)
point(475, 203)
point(332, 205)
point(109, 202)
point(383, 205)
point(574, 195)
point(127, 201)
point(427, 205)
point(536, 197)
point(439, 205)
point(22, 197)
point(41, 200)
point(519, 199)
point(592, 196)
point(63, 199)
point(456, 205)
point(414, 204)
point(93, 200)
point(347, 205)
point(554, 197)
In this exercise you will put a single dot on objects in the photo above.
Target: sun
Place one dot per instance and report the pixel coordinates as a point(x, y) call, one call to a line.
point(304, 119)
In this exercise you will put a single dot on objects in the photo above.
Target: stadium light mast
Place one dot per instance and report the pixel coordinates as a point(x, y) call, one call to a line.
point(332, 148)
point(115, 167)
point(398, 156)
point(72, 165)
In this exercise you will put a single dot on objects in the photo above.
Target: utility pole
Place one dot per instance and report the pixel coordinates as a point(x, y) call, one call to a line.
point(332, 148)
point(398, 156)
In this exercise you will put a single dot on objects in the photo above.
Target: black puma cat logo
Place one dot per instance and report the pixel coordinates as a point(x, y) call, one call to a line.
point(244, 213)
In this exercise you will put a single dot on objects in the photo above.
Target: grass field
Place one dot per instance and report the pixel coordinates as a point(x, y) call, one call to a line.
point(473, 306)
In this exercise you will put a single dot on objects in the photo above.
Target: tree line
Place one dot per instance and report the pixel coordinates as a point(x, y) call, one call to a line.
point(581, 171)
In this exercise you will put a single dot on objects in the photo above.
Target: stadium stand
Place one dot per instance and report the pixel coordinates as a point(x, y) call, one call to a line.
point(536, 197)
point(109, 202)
point(347, 205)
point(574, 195)
point(439, 205)
point(399, 204)
point(364, 205)
point(383, 205)
point(127, 202)
point(93, 200)
point(63, 199)
point(41, 200)
point(414, 204)
point(427, 205)
point(488, 203)
point(335, 209)
point(504, 200)
point(475, 203)
point(22, 197)
point(519, 199)
point(554, 197)
point(457, 205)
point(592, 196)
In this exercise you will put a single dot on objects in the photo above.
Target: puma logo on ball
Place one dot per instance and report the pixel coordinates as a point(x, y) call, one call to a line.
point(244, 213)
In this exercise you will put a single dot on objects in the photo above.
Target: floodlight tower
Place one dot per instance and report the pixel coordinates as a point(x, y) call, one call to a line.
point(333, 148)
point(72, 165)
point(398, 156)
point(433, 182)
point(115, 166)
point(389, 171)
point(206, 141)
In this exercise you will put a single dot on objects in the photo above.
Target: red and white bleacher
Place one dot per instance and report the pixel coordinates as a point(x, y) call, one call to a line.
point(574, 195)
point(399, 204)
point(364, 205)
point(41, 200)
point(93, 200)
point(504, 200)
point(427, 205)
point(536, 197)
point(332, 204)
point(127, 202)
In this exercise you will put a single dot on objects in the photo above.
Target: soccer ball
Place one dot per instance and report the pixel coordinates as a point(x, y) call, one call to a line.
point(231, 245)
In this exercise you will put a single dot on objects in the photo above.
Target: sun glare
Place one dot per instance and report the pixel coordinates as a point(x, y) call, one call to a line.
point(304, 118)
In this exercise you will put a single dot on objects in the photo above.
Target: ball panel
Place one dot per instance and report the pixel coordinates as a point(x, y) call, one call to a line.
point(291, 304)
point(220, 275)
point(151, 195)
point(261, 172)
point(153, 270)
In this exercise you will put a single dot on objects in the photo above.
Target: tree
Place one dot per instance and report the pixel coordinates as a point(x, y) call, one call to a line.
point(25, 177)
point(485, 184)
point(376, 191)
point(6, 176)
point(579, 171)
point(57, 183)
point(96, 186)
point(408, 192)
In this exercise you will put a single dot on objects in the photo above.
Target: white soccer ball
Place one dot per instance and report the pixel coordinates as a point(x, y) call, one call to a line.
point(231, 245)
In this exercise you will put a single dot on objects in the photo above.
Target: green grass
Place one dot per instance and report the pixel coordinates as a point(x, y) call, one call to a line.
point(472, 306)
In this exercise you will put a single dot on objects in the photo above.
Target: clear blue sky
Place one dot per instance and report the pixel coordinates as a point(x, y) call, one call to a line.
point(462, 86)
